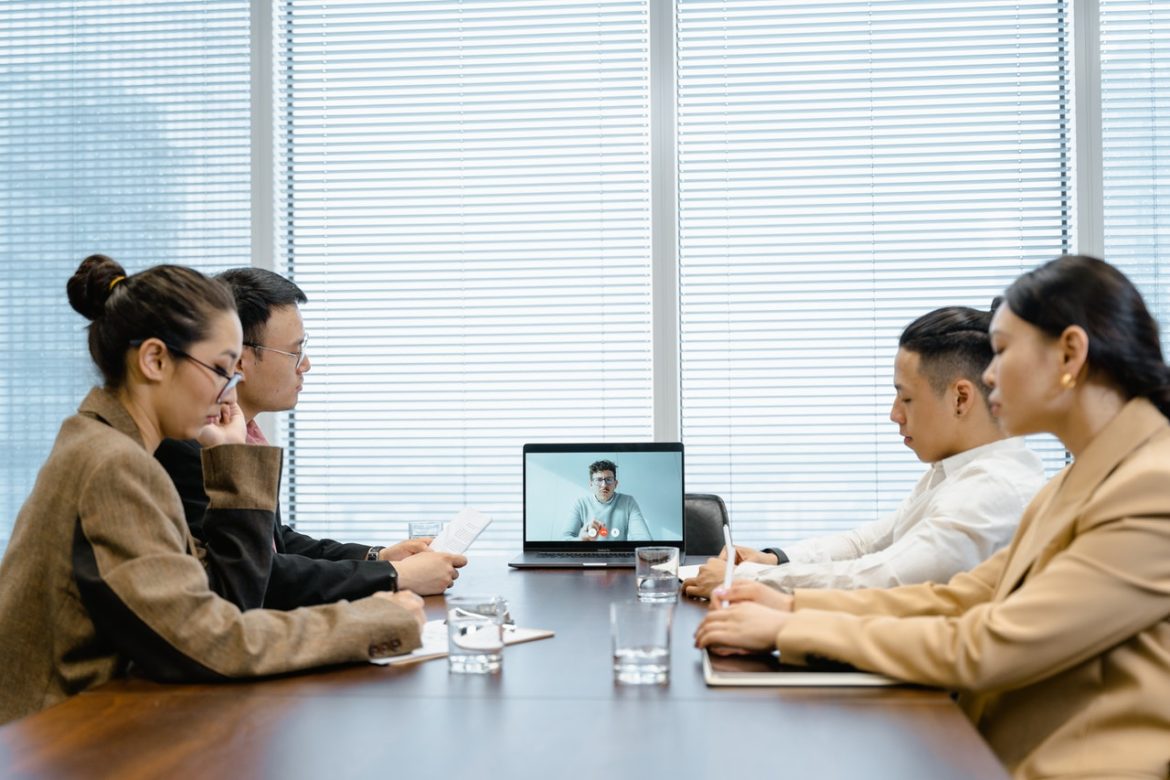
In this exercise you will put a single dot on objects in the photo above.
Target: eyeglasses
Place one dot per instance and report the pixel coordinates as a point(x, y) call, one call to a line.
point(299, 355)
point(607, 481)
point(232, 379)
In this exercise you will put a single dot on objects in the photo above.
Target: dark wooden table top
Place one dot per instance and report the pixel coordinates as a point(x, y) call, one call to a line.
point(554, 710)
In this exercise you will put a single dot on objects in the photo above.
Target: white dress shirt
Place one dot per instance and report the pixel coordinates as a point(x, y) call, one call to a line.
point(963, 509)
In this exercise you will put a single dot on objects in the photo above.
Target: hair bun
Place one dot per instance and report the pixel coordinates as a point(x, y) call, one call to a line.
point(90, 286)
point(996, 302)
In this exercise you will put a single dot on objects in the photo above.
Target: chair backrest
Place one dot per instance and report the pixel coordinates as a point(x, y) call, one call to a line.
point(704, 515)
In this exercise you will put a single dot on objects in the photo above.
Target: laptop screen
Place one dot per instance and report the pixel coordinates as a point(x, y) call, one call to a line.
point(602, 496)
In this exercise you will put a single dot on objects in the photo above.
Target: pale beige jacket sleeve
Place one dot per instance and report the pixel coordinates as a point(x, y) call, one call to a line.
point(1109, 581)
point(150, 597)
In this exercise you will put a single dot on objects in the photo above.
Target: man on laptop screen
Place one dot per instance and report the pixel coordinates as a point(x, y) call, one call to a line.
point(603, 513)
point(577, 512)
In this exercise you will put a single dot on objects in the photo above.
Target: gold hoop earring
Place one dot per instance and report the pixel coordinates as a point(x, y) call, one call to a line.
point(1067, 382)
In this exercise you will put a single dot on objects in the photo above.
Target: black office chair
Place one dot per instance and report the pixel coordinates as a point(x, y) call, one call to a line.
point(704, 515)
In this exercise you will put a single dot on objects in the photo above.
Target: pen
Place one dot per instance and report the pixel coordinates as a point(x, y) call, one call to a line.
point(730, 558)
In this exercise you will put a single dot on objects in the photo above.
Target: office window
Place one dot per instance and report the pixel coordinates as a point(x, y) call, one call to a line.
point(842, 170)
point(124, 129)
point(466, 201)
point(1135, 129)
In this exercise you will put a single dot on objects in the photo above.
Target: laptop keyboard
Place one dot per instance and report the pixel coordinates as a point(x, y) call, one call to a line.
point(596, 554)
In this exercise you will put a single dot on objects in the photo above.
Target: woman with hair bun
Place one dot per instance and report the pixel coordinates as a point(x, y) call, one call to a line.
point(1058, 645)
point(101, 571)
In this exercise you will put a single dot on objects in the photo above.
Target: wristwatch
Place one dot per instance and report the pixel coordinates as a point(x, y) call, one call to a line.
point(372, 553)
point(781, 558)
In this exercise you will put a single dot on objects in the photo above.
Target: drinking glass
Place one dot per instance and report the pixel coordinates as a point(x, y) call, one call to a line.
point(641, 642)
point(475, 633)
point(656, 573)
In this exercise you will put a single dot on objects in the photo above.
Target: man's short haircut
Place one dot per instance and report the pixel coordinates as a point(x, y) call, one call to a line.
point(602, 465)
point(257, 292)
point(951, 343)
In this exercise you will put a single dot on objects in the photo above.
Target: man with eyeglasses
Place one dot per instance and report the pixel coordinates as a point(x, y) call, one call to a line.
point(605, 515)
point(305, 570)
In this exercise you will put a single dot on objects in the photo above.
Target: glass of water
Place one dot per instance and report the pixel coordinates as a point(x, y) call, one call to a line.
point(475, 634)
point(641, 642)
point(656, 573)
point(424, 528)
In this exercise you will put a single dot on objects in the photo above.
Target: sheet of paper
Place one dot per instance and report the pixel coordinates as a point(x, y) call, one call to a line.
point(461, 531)
point(434, 643)
point(747, 570)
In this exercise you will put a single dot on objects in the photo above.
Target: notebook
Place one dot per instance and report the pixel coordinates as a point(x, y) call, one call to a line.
point(590, 505)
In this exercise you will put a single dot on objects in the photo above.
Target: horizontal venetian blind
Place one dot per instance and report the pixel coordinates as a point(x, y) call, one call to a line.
point(844, 168)
point(124, 129)
point(466, 203)
point(1135, 130)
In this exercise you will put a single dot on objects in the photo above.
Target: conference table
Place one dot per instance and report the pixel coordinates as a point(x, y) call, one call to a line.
point(554, 710)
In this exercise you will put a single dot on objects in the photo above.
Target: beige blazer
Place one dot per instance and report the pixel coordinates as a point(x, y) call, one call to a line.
point(101, 572)
point(1059, 644)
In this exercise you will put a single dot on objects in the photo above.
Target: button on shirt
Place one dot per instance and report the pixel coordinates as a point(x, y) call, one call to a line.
point(963, 509)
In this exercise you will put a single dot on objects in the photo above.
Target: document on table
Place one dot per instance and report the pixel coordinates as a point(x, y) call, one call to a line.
point(434, 642)
point(747, 569)
point(461, 531)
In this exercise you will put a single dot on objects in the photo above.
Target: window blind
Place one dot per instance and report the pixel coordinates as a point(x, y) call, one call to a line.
point(465, 201)
point(1135, 146)
point(124, 129)
point(844, 168)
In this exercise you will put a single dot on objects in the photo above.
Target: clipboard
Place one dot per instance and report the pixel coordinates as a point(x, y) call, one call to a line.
point(766, 671)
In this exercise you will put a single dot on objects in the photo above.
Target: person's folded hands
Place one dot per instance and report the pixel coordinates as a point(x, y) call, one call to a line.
point(429, 573)
point(411, 602)
point(744, 625)
point(751, 591)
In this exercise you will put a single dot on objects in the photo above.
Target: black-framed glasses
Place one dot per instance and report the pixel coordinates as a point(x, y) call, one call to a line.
point(299, 355)
point(607, 481)
point(232, 379)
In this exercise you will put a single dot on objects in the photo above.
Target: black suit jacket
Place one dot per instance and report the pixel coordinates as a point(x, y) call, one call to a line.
point(305, 571)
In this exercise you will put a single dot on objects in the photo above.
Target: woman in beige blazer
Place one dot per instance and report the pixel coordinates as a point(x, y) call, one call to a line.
point(101, 572)
point(1059, 645)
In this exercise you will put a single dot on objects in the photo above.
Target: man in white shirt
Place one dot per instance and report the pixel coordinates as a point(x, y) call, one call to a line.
point(963, 509)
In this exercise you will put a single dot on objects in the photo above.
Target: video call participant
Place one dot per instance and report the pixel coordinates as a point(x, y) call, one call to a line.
point(305, 570)
point(961, 511)
point(101, 572)
point(1059, 645)
point(605, 514)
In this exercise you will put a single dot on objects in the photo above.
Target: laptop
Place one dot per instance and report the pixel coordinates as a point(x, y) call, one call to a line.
point(589, 505)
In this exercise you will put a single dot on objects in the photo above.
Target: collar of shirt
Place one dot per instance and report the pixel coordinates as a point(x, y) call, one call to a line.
point(948, 466)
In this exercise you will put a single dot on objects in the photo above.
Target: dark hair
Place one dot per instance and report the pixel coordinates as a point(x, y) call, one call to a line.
point(257, 292)
point(167, 302)
point(1124, 347)
point(603, 465)
point(951, 342)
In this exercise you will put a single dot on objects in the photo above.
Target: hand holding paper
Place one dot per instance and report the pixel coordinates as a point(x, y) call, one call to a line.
point(458, 534)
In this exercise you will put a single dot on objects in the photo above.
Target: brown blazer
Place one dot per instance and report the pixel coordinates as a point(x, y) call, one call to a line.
point(1059, 644)
point(101, 572)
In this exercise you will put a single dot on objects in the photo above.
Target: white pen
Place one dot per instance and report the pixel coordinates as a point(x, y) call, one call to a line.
point(730, 559)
